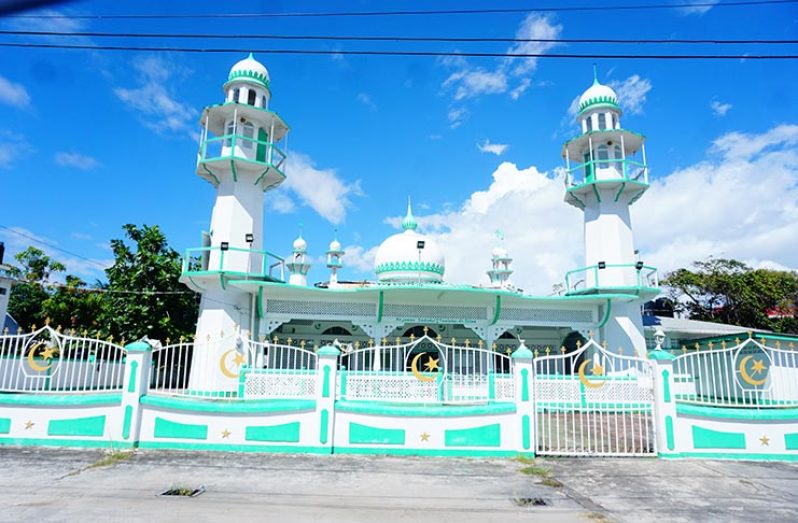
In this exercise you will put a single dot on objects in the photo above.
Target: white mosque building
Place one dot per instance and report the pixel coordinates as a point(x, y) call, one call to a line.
point(247, 289)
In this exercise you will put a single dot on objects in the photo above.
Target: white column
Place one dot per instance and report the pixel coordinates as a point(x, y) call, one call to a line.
point(326, 390)
point(665, 417)
point(138, 362)
point(524, 399)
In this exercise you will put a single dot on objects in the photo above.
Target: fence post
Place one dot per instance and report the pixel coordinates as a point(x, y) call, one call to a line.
point(524, 406)
point(326, 380)
point(664, 402)
point(136, 383)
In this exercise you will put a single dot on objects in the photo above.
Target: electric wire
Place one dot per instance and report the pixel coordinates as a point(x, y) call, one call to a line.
point(52, 246)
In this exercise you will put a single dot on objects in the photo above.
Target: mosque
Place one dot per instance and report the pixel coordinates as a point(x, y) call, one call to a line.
point(247, 289)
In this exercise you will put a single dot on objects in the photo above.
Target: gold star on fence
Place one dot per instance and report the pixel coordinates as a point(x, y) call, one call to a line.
point(765, 441)
point(225, 433)
point(239, 359)
point(29, 425)
point(424, 436)
point(49, 352)
point(758, 367)
point(432, 364)
point(597, 370)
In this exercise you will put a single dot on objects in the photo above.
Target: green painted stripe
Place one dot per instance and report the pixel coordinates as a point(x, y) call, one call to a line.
point(324, 426)
point(172, 429)
point(5, 425)
point(286, 433)
point(752, 414)
point(131, 386)
point(260, 303)
point(91, 426)
point(669, 433)
point(524, 385)
point(56, 442)
point(791, 441)
point(379, 307)
point(404, 451)
point(60, 400)
point(230, 406)
point(607, 311)
point(365, 434)
point(666, 386)
point(126, 424)
point(485, 436)
point(497, 310)
point(180, 445)
point(411, 410)
point(325, 387)
point(526, 430)
point(714, 439)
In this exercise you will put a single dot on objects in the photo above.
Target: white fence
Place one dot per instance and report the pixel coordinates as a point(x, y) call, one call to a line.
point(746, 374)
point(593, 402)
point(49, 361)
point(425, 370)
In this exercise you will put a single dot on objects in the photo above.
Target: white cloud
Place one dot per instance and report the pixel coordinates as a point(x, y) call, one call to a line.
point(456, 116)
point(155, 100)
point(492, 148)
point(13, 93)
point(320, 189)
point(78, 161)
point(366, 100)
point(12, 147)
point(279, 201)
point(632, 93)
point(359, 258)
point(720, 109)
point(688, 7)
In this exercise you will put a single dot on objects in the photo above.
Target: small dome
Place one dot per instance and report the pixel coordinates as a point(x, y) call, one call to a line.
point(598, 94)
point(500, 252)
point(250, 70)
point(335, 246)
point(399, 259)
point(300, 245)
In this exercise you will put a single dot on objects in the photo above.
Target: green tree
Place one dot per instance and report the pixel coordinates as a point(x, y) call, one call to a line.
point(144, 296)
point(31, 291)
point(729, 291)
point(73, 305)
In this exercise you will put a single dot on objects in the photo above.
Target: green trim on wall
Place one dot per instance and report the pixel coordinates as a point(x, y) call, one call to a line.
point(226, 407)
point(365, 434)
point(380, 305)
point(739, 456)
point(714, 439)
point(739, 414)
point(791, 441)
point(607, 311)
point(409, 266)
point(131, 385)
point(325, 384)
point(324, 426)
point(55, 442)
point(524, 384)
point(90, 426)
point(286, 433)
point(416, 410)
point(666, 386)
point(526, 432)
point(60, 400)
point(165, 428)
point(5, 425)
point(126, 423)
point(497, 310)
point(485, 436)
point(671, 442)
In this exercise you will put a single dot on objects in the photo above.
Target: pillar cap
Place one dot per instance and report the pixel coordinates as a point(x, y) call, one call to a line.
point(138, 346)
point(522, 353)
point(660, 355)
point(328, 350)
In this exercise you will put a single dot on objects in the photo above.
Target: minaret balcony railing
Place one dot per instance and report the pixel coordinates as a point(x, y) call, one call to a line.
point(612, 169)
point(234, 261)
point(240, 147)
point(620, 277)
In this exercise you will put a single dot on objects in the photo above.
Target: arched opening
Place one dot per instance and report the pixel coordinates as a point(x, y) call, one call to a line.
point(236, 93)
point(248, 134)
point(572, 342)
point(251, 97)
point(229, 132)
point(603, 157)
point(602, 121)
point(336, 331)
point(263, 139)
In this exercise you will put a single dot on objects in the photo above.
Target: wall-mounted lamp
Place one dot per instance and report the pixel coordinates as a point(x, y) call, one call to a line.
point(249, 237)
point(225, 246)
point(602, 265)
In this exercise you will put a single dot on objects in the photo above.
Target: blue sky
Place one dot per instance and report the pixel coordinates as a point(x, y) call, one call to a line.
point(91, 140)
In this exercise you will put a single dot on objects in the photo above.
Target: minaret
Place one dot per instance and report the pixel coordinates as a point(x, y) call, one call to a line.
point(240, 155)
point(604, 177)
point(500, 271)
point(335, 262)
point(299, 263)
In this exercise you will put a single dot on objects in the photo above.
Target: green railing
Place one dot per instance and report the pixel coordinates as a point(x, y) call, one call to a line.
point(247, 262)
point(242, 147)
point(630, 170)
point(612, 275)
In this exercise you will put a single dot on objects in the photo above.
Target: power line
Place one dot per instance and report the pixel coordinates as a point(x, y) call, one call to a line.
point(464, 54)
point(212, 36)
point(553, 9)
point(94, 289)
point(52, 246)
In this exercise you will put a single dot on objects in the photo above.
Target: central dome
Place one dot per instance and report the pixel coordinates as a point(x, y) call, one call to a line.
point(249, 70)
point(400, 260)
point(598, 94)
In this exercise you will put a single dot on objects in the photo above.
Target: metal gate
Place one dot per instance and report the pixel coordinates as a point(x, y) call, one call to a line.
point(593, 402)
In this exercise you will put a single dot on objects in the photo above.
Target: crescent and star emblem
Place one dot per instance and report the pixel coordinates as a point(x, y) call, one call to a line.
point(47, 354)
point(758, 368)
point(596, 370)
point(238, 360)
point(431, 365)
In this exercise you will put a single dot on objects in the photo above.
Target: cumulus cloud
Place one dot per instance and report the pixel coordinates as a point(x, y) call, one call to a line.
point(632, 93)
point(78, 161)
point(741, 201)
point(12, 93)
point(359, 258)
point(492, 148)
point(320, 189)
point(154, 99)
point(719, 109)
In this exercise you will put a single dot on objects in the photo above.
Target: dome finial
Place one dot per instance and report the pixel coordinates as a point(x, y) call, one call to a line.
point(409, 223)
point(595, 74)
point(251, 56)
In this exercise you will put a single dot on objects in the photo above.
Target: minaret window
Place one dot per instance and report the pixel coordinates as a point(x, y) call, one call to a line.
point(589, 123)
point(614, 121)
point(603, 156)
point(235, 95)
point(252, 96)
point(231, 129)
point(263, 101)
point(602, 121)
point(249, 135)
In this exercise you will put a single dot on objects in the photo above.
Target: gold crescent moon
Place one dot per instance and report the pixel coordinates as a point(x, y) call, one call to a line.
point(224, 368)
point(416, 373)
point(584, 379)
point(747, 377)
point(32, 363)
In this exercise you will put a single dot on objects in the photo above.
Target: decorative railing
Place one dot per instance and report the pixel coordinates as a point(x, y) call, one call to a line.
point(249, 262)
point(748, 373)
point(49, 361)
point(611, 276)
point(425, 370)
point(590, 171)
point(242, 147)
